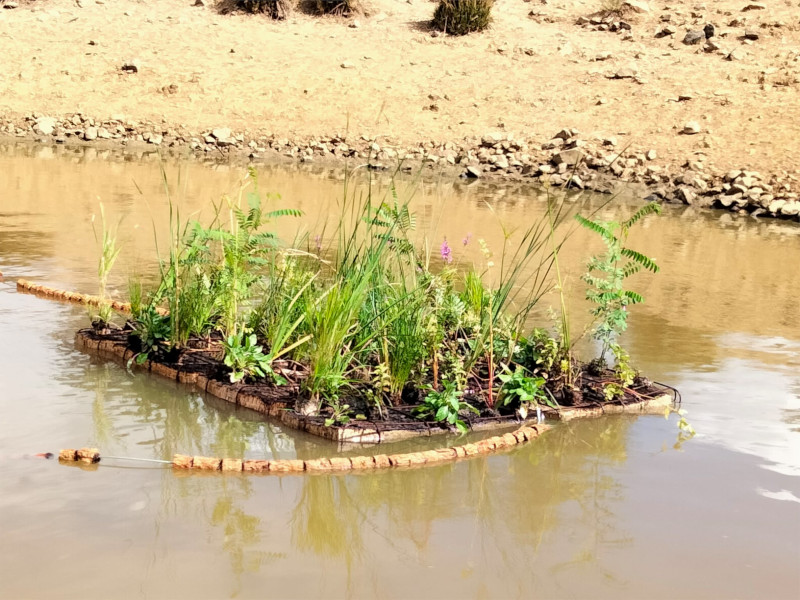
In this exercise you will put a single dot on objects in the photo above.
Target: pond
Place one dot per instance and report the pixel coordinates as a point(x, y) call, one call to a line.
point(603, 508)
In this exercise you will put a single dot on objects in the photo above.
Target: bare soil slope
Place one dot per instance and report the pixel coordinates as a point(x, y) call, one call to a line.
point(530, 74)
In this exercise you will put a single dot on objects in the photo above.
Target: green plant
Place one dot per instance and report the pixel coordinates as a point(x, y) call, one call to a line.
point(460, 17)
point(152, 329)
point(444, 406)
point(109, 252)
point(234, 252)
point(606, 275)
point(340, 413)
point(244, 356)
point(276, 9)
point(521, 390)
point(280, 316)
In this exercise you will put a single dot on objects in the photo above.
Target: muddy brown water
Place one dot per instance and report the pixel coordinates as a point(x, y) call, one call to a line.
point(605, 508)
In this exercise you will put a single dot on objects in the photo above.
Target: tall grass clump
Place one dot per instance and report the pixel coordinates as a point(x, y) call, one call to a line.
point(109, 252)
point(460, 17)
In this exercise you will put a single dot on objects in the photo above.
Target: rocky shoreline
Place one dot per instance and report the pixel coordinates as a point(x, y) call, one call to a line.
point(567, 160)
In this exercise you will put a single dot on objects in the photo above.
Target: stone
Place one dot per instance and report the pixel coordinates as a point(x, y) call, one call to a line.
point(693, 37)
point(691, 128)
point(636, 6)
point(90, 134)
point(686, 195)
point(651, 155)
point(754, 6)
point(750, 34)
point(473, 172)
point(775, 206)
point(221, 133)
point(131, 66)
point(735, 55)
point(790, 209)
point(666, 31)
point(348, 65)
point(568, 157)
point(709, 30)
point(10, 5)
point(624, 73)
point(45, 125)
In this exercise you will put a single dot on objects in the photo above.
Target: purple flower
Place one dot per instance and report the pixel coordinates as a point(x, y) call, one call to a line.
point(446, 252)
point(318, 242)
point(467, 239)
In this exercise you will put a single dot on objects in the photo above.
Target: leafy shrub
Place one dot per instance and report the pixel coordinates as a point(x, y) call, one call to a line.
point(460, 17)
point(606, 274)
point(444, 406)
point(274, 8)
point(244, 356)
point(521, 390)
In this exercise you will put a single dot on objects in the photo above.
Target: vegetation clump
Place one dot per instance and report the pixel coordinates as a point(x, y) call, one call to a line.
point(276, 9)
point(344, 8)
point(460, 17)
point(367, 324)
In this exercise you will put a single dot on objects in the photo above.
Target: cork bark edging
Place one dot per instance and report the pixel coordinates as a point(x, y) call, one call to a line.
point(490, 445)
point(43, 291)
point(239, 395)
point(361, 463)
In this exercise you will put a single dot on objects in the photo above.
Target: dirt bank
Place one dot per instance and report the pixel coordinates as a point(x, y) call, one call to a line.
point(536, 72)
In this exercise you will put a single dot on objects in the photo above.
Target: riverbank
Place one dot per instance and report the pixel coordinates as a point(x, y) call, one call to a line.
point(634, 105)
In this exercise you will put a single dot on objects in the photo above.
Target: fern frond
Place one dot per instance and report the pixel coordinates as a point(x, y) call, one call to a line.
point(284, 212)
point(633, 297)
point(647, 209)
point(630, 269)
point(595, 226)
point(639, 258)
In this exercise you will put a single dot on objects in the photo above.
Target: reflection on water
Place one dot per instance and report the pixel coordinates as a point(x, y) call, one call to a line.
point(597, 509)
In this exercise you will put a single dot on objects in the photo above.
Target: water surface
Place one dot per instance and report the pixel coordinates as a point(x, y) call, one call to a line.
point(606, 508)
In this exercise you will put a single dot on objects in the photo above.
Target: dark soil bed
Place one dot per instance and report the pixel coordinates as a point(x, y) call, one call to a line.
point(200, 364)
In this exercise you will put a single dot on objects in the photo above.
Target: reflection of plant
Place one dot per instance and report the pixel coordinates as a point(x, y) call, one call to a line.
point(613, 267)
point(445, 406)
point(522, 390)
point(685, 430)
point(245, 357)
